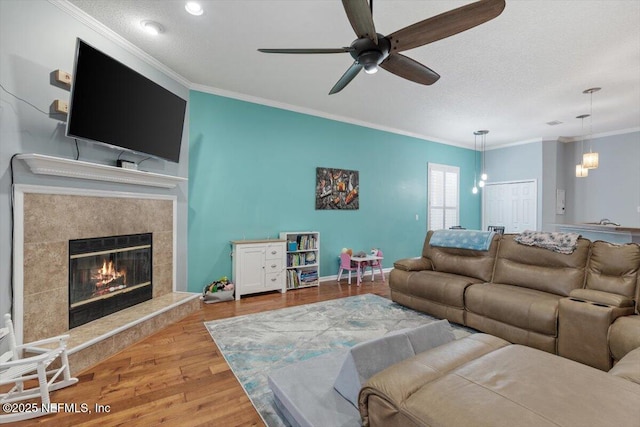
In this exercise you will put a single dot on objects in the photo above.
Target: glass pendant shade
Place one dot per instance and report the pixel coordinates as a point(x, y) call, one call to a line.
point(481, 184)
point(484, 176)
point(590, 160)
point(474, 190)
point(581, 171)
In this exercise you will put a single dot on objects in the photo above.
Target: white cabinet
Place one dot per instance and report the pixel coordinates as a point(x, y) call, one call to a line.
point(303, 258)
point(258, 266)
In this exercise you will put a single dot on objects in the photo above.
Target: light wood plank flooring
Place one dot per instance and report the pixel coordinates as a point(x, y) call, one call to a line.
point(178, 375)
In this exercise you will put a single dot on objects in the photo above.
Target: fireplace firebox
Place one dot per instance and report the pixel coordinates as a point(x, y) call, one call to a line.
point(108, 274)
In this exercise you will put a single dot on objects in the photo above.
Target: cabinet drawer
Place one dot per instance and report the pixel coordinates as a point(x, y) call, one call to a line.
point(274, 280)
point(273, 266)
point(274, 251)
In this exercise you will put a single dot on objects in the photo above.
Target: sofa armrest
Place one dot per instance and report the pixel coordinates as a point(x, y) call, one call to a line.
point(601, 298)
point(413, 264)
point(628, 367)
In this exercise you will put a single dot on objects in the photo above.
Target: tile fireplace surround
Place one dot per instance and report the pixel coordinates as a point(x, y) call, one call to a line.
point(46, 219)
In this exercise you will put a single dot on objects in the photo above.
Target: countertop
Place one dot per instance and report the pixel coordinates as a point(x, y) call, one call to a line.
point(602, 228)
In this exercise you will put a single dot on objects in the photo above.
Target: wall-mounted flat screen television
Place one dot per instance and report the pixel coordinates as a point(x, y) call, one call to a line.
point(114, 105)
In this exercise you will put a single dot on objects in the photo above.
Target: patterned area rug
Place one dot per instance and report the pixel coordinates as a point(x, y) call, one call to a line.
point(255, 344)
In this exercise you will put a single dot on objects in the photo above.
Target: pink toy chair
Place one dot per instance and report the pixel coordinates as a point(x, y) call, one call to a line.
point(373, 265)
point(345, 264)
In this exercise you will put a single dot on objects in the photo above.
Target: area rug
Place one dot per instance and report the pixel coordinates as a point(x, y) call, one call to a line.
point(255, 344)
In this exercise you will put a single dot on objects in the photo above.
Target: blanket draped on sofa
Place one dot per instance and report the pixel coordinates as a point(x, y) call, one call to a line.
point(564, 243)
point(462, 239)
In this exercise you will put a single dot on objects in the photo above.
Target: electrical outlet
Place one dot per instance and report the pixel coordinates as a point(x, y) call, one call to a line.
point(63, 77)
point(59, 106)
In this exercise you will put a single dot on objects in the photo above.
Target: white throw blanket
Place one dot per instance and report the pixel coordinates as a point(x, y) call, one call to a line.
point(564, 243)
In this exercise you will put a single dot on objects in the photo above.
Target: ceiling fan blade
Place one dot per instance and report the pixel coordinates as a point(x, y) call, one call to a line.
point(360, 18)
point(337, 50)
point(351, 73)
point(409, 69)
point(446, 24)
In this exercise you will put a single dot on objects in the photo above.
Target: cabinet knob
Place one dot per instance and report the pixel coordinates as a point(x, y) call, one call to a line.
point(273, 266)
point(273, 279)
point(274, 252)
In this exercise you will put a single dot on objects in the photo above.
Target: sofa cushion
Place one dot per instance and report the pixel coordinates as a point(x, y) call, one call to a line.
point(465, 262)
point(525, 308)
point(430, 365)
point(613, 268)
point(443, 288)
point(540, 269)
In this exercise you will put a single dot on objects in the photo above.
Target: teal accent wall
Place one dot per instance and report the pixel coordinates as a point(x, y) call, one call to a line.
point(252, 175)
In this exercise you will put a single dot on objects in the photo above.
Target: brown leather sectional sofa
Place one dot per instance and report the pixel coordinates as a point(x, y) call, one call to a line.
point(532, 302)
point(582, 306)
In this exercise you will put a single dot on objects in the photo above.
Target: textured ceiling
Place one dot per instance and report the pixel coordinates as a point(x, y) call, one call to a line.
point(510, 75)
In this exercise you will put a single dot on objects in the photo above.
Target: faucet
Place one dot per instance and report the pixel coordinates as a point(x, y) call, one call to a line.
point(607, 221)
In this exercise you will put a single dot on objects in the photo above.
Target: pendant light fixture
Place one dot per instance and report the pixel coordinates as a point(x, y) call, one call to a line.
point(474, 190)
point(581, 171)
point(590, 159)
point(483, 141)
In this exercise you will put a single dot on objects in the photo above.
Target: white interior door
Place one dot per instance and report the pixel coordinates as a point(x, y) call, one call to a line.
point(511, 204)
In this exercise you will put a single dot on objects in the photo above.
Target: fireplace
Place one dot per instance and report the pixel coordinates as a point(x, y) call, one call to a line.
point(108, 274)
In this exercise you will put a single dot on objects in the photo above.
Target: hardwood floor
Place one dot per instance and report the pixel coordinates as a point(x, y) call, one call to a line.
point(178, 376)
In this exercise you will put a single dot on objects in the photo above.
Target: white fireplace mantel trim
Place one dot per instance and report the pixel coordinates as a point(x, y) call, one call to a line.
point(58, 166)
point(19, 190)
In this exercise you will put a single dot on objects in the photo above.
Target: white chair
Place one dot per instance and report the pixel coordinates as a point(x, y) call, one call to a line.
point(17, 369)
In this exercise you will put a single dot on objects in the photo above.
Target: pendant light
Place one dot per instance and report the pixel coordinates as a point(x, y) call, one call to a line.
point(590, 159)
point(483, 141)
point(474, 190)
point(581, 171)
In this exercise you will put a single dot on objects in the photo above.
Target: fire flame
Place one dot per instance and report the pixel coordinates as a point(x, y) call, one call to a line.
point(108, 273)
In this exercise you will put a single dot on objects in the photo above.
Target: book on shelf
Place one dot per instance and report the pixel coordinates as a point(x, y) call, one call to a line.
point(306, 242)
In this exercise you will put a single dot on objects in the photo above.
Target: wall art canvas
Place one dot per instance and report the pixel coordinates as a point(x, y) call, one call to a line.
point(337, 189)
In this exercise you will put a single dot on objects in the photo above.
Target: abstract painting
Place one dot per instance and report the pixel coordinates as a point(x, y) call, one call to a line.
point(337, 189)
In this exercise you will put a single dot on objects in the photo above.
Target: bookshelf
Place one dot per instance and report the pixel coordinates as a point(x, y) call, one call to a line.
point(303, 258)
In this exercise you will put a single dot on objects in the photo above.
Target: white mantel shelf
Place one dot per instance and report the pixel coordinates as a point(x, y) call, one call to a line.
point(49, 165)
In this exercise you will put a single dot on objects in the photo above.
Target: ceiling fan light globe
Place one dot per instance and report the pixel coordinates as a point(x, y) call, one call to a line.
point(370, 69)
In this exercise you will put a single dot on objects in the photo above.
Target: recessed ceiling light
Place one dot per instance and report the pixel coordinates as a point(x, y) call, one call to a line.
point(194, 8)
point(151, 27)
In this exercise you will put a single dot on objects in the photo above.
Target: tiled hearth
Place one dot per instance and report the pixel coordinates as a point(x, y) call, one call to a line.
point(46, 219)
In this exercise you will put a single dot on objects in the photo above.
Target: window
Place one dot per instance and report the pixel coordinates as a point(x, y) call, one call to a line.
point(443, 196)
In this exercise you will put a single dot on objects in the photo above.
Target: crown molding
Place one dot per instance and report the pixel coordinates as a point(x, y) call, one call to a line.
point(318, 113)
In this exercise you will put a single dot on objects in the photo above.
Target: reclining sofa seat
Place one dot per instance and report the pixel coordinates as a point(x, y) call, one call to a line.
point(436, 282)
point(521, 302)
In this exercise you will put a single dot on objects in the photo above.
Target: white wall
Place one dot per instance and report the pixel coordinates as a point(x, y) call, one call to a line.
point(36, 38)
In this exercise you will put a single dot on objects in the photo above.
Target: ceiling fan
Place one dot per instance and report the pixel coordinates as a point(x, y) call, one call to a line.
point(372, 49)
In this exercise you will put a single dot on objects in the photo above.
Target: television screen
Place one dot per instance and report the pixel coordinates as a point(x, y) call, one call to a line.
point(112, 104)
